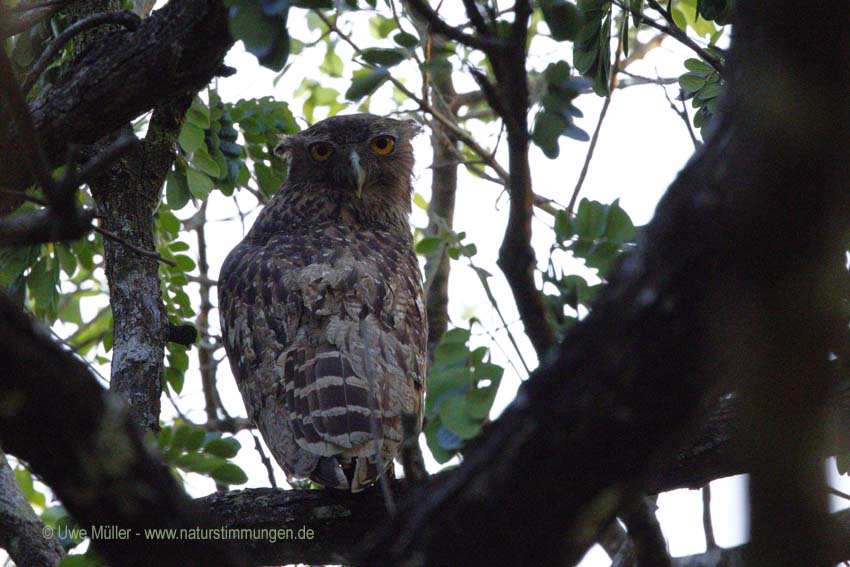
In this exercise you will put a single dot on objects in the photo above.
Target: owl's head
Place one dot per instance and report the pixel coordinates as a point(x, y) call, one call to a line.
point(367, 157)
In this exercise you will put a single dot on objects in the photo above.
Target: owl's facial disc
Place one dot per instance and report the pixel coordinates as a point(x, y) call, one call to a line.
point(358, 174)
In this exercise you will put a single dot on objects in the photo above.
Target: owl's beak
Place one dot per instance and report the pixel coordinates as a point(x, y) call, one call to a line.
point(357, 173)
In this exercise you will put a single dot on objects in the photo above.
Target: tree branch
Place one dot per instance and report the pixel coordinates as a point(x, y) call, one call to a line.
point(82, 108)
point(128, 20)
point(21, 531)
point(438, 26)
point(637, 372)
point(81, 441)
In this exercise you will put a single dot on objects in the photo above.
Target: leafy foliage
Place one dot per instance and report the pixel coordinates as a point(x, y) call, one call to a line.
point(461, 389)
point(562, 17)
point(703, 84)
point(192, 449)
point(211, 156)
point(262, 28)
point(555, 118)
point(599, 235)
point(592, 49)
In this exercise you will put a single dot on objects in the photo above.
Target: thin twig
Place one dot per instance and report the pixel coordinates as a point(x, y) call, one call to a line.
point(265, 459)
point(147, 253)
point(439, 26)
point(488, 292)
point(683, 114)
point(708, 526)
point(127, 19)
point(456, 130)
point(673, 31)
point(595, 138)
point(836, 492)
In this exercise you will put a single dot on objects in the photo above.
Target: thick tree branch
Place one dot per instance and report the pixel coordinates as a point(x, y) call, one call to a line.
point(21, 531)
point(438, 26)
point(648, 544)
point(636, 373)
point(126, 197)
point(129, 20)
point(117, 80)
point(81, 441)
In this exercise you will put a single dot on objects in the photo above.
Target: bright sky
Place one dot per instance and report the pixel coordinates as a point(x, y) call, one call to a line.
point(643, 144)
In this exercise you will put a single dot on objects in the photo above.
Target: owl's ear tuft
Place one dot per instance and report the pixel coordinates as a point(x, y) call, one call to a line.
point(414, 128)
point(284, 147)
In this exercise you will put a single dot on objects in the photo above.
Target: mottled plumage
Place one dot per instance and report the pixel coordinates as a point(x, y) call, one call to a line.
point(328, 262)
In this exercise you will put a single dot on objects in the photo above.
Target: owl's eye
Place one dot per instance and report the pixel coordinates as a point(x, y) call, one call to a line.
point(382, 145)
point(320, 151)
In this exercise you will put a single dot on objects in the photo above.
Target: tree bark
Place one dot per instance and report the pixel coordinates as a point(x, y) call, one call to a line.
point(83, 443)
point(127, 196)
point(177, 50)
point(21, 531)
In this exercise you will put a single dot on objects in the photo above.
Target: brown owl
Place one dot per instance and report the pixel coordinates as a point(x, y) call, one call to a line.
point(321, 304)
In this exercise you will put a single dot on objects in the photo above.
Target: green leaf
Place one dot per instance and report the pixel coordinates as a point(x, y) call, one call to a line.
point(420, 201)
point(196, 437)
point(332, 64)
point(429, 245)
point(592, 50)
point(383, 57)
point(191, 137)
point(691, 82)
point(699, 67)
point(562, 17)
point(450, 353)
point(620, 228)
point(224, 447)
point(66, 258)
point(199, 463)
point(184, 262)
point(842, 463)
point(716, 10)
point(453, 413)
point(440, 454)
point(437, 67)
point(202, 160)
point(381, 27)
point(405, 39)
point(563, 226)
point(198, 114)
point(229, 473)
point(174, 378)
point(480, 400)
point(366, 82)
point(199, 183)
point(590, 219)
point(548, 127)
point(181, 436)
point(176, 190)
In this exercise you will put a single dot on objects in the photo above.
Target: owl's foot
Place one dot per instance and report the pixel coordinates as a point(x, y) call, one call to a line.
point(329, 473)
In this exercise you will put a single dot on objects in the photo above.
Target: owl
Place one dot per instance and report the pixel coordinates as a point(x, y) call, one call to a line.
point(321, 304)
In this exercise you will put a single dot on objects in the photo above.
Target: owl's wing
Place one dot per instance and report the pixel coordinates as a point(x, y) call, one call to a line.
point(299, 334)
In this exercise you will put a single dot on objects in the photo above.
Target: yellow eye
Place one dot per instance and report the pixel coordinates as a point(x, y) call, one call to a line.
point(321, 151)
point(382, 145)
